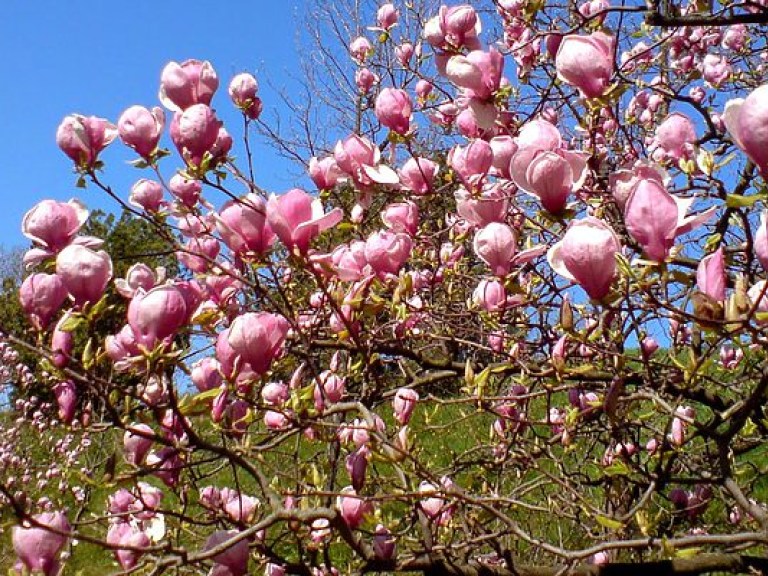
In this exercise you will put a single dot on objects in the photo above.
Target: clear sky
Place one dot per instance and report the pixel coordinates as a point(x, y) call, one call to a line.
point(98, 57)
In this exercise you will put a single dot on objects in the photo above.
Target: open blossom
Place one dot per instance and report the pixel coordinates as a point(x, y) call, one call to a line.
point(586, 62)
point(542, 166)
point(674, 138)
point(715, 69)
point(38, 548)
point(654, 218)
point(747, 122)
point(402, 217)
point(83, 138)
point(386, 252)
point(587, 255)
point(325, 173)
point(360, 159)
point(243, 225)
point(186, 84)
point(453, 27)
point(126, 538)
point(54, 224)
point(479, 72)
point(297, 218)
point(234, 558)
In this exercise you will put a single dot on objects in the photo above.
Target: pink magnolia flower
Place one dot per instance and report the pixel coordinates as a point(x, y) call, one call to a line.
point(360, 158)
point(83, 138)
point(654, 218)
point(423, 89)
point(674, 137)
point(402, 217)
point(387, 16)
point(257, 337)
point(139, 276)
point(243, 225)
point(137, 442)
point(66, 399)
point(141, 129)
point(622, 182)
point(587, 255)
point(710, 275)
point(504, 148)
point(735, 37)
point(365, 79)
point(496, 245)
point(586, 63)
point(454, 27)
point(393, 109)
point(205, 374)
point(53, 224)
point(242, 90)
point(349, 262)
point(404, 404)
point(479, 72)
point(490, 295)
point(760, 242)
point(297, 218)
point(359, 49)
point(239, 507)
point(418, 175)
point(125, 537)
point(383, 543)
point(157, 315)
point(38, 548)
point(186, 84)
point(234, 558)
point(404, 52)
point(715, 70)
point(543, 167)
point(41, 296)
point(147, 194)
point(386, 252)
point(62, 343)
point(472, 162)
point(84, 272)
point(325, 173)
point(353, 508)
point(490, 205)
point(747, 122)
point(195, 132)
point(185, 190)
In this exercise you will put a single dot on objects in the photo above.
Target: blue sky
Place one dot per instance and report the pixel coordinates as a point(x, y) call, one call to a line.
point(99, 57)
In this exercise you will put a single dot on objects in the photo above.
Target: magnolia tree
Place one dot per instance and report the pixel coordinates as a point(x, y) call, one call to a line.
point(516, 326)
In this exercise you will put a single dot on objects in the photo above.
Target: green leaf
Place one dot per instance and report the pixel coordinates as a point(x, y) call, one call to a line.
point(739, 201)
point(618, 468)
point(608, 522)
